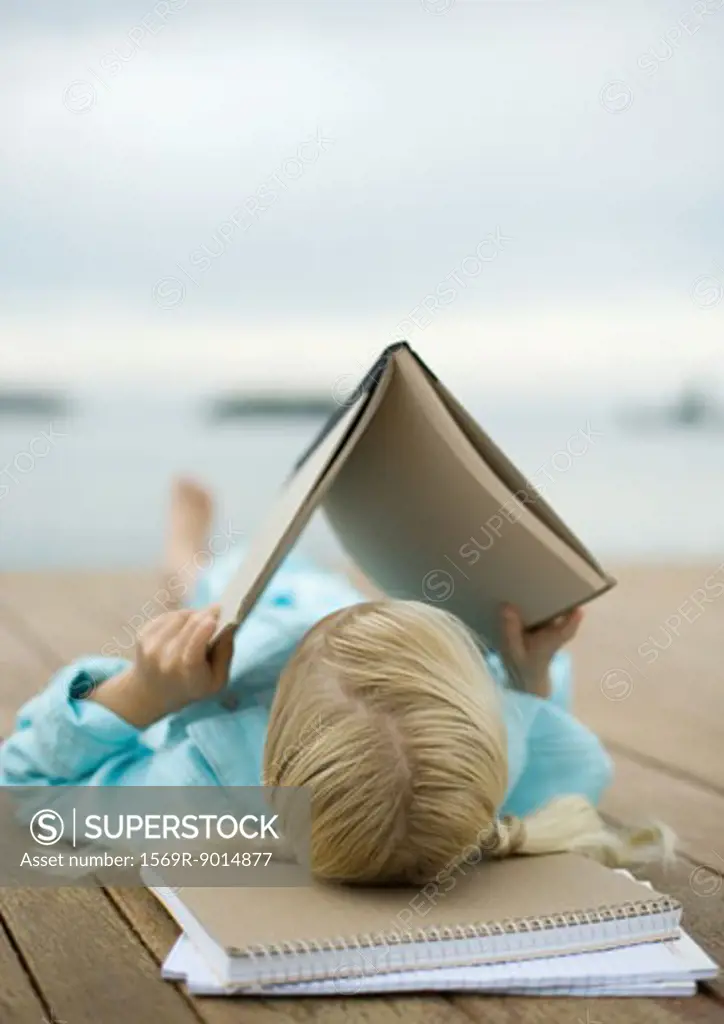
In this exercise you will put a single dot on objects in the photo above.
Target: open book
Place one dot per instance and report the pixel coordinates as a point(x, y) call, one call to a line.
point(427, 507)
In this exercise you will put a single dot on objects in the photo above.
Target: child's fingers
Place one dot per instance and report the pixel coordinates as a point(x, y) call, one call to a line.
point(181, 640)
point(194, 651)
point(157, 633)
point(570, 627)
point(560, 631)
point(513, 637)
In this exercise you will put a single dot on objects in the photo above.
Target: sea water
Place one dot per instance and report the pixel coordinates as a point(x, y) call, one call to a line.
point(91, 490)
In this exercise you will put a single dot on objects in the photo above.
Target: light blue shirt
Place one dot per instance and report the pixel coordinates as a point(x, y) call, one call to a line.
point(60, 740)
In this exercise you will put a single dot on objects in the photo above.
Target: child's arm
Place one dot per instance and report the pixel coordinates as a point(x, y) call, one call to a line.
point(529, 652)
point(172, 668)
point(86, 727)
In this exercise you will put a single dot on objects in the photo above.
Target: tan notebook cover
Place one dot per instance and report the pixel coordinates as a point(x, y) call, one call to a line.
point(427, 507)
point(507, 895)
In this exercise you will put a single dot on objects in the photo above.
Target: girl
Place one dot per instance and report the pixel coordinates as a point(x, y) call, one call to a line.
point(413, 745)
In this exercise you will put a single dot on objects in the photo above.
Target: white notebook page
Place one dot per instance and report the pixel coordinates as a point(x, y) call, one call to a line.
point(636, 970)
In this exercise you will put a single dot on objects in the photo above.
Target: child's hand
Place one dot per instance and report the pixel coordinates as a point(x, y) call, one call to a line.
point(529, 651)
point(172, 667)
point(172, 657)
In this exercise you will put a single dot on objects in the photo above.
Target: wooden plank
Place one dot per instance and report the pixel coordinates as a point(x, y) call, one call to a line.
point(19, 1002)
point(104, 597)
point(120, 595)
point(640, 794)
point(122, 602)
point(71, 614)
point(645, 669)
point(589, 1011)
point(380, 1010)
point(47, 606)
point(40, 631)
point(333, 1010)
point(86, 961)
point(158, 932)
point(23, 670)
point(701, 893)
point(19, 646)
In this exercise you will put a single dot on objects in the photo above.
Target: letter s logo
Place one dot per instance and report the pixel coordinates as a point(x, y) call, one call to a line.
point(46, 827)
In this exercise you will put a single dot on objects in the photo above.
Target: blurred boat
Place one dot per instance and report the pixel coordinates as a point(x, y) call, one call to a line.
point(270, 405)
point(693, 409)
point(32, 402)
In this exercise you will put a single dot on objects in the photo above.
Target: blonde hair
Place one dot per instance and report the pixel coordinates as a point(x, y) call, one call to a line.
point(388, 715)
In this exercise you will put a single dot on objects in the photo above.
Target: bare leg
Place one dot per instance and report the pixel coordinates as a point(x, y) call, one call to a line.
point(189, 527)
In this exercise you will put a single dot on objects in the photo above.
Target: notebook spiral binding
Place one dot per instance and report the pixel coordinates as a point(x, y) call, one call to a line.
point(511, 926)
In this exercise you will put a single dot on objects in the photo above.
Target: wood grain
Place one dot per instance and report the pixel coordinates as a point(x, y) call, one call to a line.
point(158, 932)
point(589, 1011)
point(22, 670)
point(701, 894)
point(19, 1001)
point(651, 684)
point(89, 966)
point(51, 619)
point(641, 794)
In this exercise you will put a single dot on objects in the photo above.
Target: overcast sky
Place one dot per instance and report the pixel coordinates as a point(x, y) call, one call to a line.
point(204, 189)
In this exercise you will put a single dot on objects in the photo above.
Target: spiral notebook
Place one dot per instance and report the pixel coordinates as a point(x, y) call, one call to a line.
point(669, 968)
point(509, 910)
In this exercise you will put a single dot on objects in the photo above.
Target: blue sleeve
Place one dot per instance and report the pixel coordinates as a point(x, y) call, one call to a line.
point(560, 756)
point(550, 753)
point(62, 739)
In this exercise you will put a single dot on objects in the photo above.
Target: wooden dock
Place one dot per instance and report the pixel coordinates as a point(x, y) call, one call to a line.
point(91, 956)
